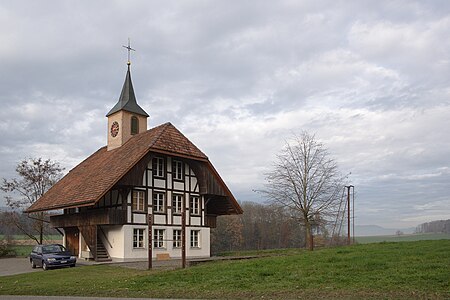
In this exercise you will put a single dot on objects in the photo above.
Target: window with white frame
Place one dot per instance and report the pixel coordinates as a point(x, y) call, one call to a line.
point(195, 205)
point(158, 167)
point(195, 238)
point(177, 203)
point(177, 169)
point(158, 238)
point(176, 238)
point(158, 202)
point(138, 200)
point(138, 238)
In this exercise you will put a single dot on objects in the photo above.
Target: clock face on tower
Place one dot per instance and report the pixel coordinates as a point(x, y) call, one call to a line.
point(114, 129)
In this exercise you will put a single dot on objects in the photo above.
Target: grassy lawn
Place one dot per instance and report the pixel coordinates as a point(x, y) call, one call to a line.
point(21, 245)
point(267, 252)
point(372, 271)
point(21, 250)
point(402, 238)
point(24, 237)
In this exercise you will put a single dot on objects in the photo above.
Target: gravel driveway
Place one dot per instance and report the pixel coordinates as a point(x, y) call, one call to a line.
point(16, 265)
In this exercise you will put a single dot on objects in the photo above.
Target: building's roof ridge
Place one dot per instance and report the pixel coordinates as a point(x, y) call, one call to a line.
point(195, 152)
point(164, 127)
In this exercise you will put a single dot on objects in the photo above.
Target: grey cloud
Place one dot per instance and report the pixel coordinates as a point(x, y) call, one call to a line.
point(370, 78)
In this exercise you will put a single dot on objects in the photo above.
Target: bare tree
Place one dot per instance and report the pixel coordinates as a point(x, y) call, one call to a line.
point(35, 177)
point(305, 180)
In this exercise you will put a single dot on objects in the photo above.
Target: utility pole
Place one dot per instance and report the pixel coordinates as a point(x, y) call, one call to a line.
point(353, 214)
point(150, 238)
point(348, 213)
point(183, 234)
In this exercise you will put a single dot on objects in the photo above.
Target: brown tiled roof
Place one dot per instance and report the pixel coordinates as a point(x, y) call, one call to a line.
point(91, 179)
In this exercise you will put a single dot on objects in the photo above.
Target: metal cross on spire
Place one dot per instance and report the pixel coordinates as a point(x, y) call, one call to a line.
point(129, 49)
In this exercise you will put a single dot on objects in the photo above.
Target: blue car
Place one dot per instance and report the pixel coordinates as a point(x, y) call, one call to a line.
point(51, 256)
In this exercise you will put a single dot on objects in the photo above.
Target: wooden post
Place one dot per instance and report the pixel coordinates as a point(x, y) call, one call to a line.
point(150, 246)
point(348, 213)
point(353, 214)
point(183, 235)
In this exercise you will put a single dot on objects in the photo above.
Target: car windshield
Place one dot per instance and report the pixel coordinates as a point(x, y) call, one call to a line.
point(53, 249)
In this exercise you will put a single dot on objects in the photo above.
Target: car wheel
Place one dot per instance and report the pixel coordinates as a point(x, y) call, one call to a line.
point(33, 265)
point(44, 266)
point(72, 265)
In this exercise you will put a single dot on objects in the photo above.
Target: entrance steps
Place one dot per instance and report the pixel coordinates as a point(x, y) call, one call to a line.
point(102, 253)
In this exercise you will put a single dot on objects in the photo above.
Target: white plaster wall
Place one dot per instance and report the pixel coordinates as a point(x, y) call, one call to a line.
point(128, 201)
point(159, 219)
point(178, 186)
point(177, 220)
point(193, 183)
point(81, 244)
point(195, 221)
point(140, 218)
point(204, 250)
point(169, 180)
point(121, 238)
point(115, 235)
point(160, 183)
point(130, 252)
point(149, 173)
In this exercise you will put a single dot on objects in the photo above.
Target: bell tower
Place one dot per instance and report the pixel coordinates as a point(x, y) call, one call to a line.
point(126, 118)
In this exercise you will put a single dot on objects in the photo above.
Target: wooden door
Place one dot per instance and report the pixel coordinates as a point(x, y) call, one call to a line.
point(72, 240)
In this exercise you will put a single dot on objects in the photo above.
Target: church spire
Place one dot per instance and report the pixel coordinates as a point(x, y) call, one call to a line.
point(127, 100)
point(126, 118)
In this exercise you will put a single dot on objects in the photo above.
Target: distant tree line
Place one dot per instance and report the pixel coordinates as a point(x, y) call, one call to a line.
point(259, 227)
point(440, 226)
point(8, 228)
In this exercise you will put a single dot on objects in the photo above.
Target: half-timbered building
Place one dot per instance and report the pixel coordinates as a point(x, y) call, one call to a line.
point(139, 191)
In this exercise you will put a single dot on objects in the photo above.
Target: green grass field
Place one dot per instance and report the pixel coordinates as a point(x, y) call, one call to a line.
point(24, 237)
point(21, 250)
point(16, 248)
point(402, 238)
point(370, 271)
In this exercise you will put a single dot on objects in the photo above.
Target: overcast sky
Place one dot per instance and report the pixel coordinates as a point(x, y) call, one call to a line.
point(370, 78)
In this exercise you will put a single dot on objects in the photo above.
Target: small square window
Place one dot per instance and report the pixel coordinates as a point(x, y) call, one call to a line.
point(158, 202)
point(177, 203)
point(158, 167)
point(195, 205)
point(177, 170)
point(138, 201)
point(195, 238)
point(138, 238)
point(158, 240)
point(176, 238)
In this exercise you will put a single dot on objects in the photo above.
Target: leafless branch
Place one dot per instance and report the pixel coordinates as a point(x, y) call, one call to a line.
point(305, 179)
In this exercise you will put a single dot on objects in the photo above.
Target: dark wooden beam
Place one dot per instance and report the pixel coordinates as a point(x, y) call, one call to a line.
point(135, 175)
point(106, 216)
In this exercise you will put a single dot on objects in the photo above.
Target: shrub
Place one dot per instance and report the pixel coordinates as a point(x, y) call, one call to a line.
point(5, 247)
